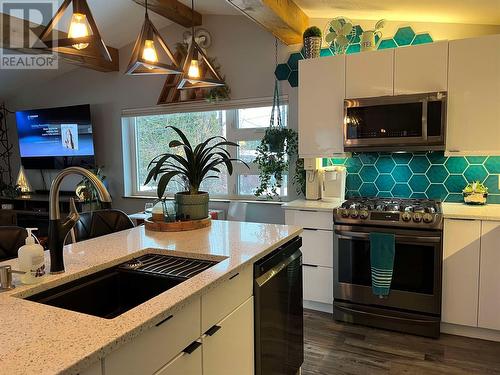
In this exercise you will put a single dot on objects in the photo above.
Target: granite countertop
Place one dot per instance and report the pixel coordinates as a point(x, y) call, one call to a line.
point(41, 339)
point(464, 211)
point(303, 204)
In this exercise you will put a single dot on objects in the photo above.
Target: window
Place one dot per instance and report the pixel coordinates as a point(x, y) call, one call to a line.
point(146, 137)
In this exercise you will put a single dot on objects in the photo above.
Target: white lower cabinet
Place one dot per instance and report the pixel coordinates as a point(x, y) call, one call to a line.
point(317, 255)
point(489, 280)
point(461, 251)
point(318, 283)
point(184, 364)
point(228, 346)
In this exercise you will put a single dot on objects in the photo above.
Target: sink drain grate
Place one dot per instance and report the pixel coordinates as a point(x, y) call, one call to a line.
point(166, 265)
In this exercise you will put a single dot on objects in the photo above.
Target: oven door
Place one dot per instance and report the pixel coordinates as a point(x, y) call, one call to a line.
point(416, 121)
point(416, 281)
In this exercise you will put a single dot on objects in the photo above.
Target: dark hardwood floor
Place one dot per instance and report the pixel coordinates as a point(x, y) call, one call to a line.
point(338, 348)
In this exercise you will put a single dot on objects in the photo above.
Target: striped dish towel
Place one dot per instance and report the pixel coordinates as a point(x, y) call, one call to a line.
point(382, 249)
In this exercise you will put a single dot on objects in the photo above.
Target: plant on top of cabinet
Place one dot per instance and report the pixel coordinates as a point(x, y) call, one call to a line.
point(192, 165)
point(312, 42)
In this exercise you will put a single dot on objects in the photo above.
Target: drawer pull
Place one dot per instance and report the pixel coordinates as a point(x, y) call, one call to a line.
point(309, 265)
point(164, 320)
point(232, 277)
point(311, 229)
point(192, 347)
point(213, 330)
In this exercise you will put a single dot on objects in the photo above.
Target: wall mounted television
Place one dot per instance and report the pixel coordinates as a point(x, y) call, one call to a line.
point(55, 138)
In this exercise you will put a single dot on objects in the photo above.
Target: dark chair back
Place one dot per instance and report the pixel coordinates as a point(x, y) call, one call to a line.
point(99, 223)
point(11, 239)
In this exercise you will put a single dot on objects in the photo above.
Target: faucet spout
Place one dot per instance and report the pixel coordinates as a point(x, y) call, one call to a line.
point(58, 230)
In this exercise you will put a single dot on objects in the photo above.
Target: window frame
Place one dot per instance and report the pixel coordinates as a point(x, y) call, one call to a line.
point(233, 133)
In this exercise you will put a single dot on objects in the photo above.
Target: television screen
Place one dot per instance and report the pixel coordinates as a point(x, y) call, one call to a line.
point(55, 137)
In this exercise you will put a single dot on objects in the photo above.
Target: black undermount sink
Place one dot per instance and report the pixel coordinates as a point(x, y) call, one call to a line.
point(113, 291)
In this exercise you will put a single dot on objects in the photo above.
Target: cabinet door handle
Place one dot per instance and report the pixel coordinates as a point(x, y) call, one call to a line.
point(211, 331)
point(309, 265)
point(232, 277)
point(164, 320)
point(192, 347)
point(311, 229)
point(453, 150)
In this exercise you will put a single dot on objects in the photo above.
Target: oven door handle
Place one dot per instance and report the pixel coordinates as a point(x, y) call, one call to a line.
point(348, 235)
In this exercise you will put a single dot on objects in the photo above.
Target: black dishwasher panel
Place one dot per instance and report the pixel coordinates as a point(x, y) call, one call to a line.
point(279, 322)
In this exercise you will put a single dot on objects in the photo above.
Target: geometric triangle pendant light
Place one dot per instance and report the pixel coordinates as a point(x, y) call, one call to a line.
point(83, 37)
point(145, 59)
point(198, 73)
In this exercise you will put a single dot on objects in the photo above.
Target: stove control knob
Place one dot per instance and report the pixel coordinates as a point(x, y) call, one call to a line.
point(427, 218)
point(406, 216)
point(354, 214)
point(363, 214)
point(417, 217)
point(344, 212)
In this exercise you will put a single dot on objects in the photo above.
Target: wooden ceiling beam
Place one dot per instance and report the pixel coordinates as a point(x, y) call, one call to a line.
point(283, 18)
point(13, 39)
point(175, 11)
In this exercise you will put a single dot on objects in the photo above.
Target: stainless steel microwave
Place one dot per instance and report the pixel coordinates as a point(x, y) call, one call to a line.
point(414, 122)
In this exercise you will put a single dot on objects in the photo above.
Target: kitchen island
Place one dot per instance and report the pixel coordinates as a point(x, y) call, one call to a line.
point(42, 339)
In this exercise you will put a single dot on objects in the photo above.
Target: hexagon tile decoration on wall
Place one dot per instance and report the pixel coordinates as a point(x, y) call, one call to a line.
point(418, 175)
point(404, 36)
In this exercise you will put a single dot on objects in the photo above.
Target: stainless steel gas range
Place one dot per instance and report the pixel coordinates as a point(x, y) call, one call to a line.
point(414, 302)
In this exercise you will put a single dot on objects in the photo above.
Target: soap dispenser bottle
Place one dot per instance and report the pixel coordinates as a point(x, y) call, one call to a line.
point(31, 260)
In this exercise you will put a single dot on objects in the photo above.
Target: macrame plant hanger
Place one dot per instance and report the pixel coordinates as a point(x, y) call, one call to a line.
point(275, 121)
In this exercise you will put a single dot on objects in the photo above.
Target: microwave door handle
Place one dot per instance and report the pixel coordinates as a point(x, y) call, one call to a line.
point(348, 235)
point(425, 104)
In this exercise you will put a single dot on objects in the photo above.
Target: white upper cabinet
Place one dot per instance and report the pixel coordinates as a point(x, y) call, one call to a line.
point(370, 74)
point(321, 106)
point(421, 69)
point(461, 251)
point(474, 96)
point(489, 282)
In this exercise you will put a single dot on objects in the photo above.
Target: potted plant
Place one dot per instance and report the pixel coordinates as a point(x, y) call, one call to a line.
point(312, 42)
point(193, 167)
point(475, 193)
point(276, 148)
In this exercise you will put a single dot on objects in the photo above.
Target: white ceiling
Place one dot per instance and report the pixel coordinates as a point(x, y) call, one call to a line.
point(485, 12)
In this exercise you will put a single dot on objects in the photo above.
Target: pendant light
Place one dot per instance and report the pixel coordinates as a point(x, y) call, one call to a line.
point(83, 36)
point(145, 59)
point(195, 76)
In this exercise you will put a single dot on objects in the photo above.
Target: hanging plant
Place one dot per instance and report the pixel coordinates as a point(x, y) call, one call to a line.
point(274, 162)
point(276, 150)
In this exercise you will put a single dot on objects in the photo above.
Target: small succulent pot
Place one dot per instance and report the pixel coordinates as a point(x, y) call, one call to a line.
point(475, 198)
point(312, 47)
point(191, 206)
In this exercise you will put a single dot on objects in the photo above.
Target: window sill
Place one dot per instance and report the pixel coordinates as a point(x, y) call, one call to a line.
point(223, 200)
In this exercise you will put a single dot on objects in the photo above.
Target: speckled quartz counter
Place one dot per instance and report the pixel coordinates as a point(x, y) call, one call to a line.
point(463, 211)
point(302, 204)
point(41, 339)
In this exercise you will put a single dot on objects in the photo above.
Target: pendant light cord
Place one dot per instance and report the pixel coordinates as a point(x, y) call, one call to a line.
point(146, 8)
point(192, 19)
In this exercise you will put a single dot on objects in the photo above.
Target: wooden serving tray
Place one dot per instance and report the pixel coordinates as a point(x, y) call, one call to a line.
point(176, 226)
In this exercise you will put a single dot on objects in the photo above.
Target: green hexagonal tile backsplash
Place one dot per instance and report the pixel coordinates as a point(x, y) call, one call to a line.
point(404, 36)
point(419, 175)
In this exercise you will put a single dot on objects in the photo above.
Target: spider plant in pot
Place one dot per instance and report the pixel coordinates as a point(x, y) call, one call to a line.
point(312, 42)
point(193, 166)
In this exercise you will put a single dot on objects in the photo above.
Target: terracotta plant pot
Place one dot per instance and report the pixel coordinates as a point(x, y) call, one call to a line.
point(312, 47)
point(192, 206)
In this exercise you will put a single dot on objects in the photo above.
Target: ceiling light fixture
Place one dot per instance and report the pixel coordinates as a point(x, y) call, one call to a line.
point(83, 36)
point(195, 76)
point(145, 59)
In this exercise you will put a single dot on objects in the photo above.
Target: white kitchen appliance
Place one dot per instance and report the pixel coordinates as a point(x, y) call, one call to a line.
point(313, 178)
point(333, 184)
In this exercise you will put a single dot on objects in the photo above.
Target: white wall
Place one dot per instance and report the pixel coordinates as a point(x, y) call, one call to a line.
point(246, 54)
